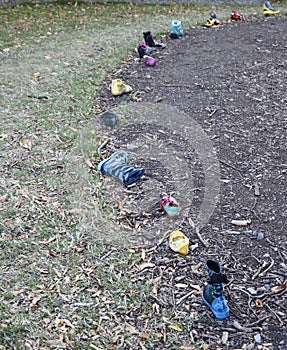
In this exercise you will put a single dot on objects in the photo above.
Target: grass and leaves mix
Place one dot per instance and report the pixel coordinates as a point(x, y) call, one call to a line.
point(61, 288)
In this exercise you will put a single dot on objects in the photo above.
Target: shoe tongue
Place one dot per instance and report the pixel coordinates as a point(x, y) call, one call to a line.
point(218, 278)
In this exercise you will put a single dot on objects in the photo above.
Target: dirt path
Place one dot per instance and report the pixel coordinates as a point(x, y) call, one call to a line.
point(228, 85)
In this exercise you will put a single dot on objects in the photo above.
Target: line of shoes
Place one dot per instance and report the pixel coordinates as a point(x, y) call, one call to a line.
point(117, 166)
point(268, 10)
point(145, 50)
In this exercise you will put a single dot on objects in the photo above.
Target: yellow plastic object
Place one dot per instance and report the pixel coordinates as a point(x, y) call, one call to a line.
point(178, 242)
point(118, 87)
point(209, 22)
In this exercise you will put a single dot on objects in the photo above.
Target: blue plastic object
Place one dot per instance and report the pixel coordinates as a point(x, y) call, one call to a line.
point(176, 28)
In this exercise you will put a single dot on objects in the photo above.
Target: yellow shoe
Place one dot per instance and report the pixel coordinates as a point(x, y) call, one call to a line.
point(211, 22)
point(118, 87)
point(269, 10)
point(178, 242)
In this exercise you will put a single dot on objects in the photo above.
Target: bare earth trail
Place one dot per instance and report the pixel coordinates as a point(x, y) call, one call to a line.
point(232, 82)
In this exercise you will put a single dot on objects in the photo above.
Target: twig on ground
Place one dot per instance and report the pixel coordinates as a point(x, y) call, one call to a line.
point(102, 145)
point(268, 268)
point(275, 315)
point(259, 270)
point(183, 298)
point(261, 320)
point(202, 240)
point(229, 165)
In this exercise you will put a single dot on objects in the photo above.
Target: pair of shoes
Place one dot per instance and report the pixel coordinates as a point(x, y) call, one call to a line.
point(170, 206)
point(235, 15)
point(151, 42)
point(144, 50)
point(175, 29)
point(118, 87)
point(212, 21)
point(268, 9)
point(212, 294)
point(116, 166)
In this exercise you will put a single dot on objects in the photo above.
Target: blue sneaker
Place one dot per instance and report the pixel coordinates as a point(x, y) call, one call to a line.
point(212, 294)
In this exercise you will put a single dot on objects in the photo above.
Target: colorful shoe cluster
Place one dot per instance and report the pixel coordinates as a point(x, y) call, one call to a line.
point(269, 10)
point(144, 52)
point(148, 47)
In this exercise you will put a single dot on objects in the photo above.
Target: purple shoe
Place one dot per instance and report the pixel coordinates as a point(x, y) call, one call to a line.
point(149, 60)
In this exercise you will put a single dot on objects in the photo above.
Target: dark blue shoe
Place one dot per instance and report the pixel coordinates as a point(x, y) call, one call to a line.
point(116, 166)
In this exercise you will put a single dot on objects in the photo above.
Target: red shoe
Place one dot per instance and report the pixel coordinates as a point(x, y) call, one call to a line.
point(237, 16)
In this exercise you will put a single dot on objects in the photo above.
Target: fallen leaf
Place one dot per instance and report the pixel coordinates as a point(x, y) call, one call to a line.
point(206, 346)
point(241, 222)
point(258, 302)
point(187, 348)
point(175, 327)
point(278, 289)
point(181, 285)
point(35, 75)
point(197, 287)
point(49, 240)
point(3, 198)
point(143, 255)
point(90, 164)
point(131, 329)
point(144, 266)
point(26, 143)
point(155, 308)
point(144, 335)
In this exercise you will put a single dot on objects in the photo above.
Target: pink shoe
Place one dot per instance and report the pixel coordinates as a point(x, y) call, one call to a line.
point(170, 206)
point(149, 60)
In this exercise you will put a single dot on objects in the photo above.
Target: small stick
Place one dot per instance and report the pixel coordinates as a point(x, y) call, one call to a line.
point(183, 298)
point(197, 232)
point(259, 270)
point(257, 322)
point(276, 316)
point(268, 268)
point(231, 166)
point(102, 146)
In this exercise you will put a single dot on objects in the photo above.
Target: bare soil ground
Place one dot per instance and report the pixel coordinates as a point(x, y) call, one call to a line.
point(232, 81)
